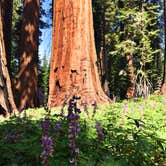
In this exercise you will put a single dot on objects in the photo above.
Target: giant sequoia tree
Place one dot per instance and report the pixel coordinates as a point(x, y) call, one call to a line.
point(27, 76)
point(7, 104)
point(73, 61)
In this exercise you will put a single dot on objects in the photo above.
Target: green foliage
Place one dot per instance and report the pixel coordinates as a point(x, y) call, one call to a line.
point(43, 76)
point(135, 134)
point(131, 27)
point(16, 33)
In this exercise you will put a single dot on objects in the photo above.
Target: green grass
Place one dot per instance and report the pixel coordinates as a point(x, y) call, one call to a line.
point(124, 143)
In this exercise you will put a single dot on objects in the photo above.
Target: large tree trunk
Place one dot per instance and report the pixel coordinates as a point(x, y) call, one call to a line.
point(7, 8)
point(163, 87)
point(26, 87)
point(131, 88)
point(73, 61)
point(7, 104)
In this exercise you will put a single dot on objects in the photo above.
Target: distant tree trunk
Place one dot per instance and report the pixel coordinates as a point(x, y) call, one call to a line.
point(131, 87)
point(26, 87)
point(7, 8)
point(99, 26)
point(73, 67)
point(7, 104)
point(104, 55)
point(163, 87)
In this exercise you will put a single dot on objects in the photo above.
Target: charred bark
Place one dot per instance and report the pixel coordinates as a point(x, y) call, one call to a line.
point(73, 69)
point(7, 104)
point(26, 88)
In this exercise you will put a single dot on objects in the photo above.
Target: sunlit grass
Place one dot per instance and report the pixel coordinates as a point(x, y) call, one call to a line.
point(125, 143)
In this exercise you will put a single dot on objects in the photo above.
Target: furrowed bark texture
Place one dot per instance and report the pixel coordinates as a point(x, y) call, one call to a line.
point(73, 69)
point(26, 88)
point(7, 104)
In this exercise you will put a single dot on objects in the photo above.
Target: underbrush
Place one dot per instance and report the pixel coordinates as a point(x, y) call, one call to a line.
point(134, 135)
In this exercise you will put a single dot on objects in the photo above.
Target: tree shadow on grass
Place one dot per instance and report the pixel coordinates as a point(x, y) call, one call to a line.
point(20, 144)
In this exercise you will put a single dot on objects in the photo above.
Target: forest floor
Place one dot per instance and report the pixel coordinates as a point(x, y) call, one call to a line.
point(132, 133)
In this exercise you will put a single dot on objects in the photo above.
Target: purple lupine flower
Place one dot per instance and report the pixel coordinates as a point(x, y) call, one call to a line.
point(47, 145)
point(99, 131)
point(85, 105)
point(45, 125)
point(72, 144)
point(11, 137)
point(77, 150)
point(73, 127)
point(94, 108)
point(73, 160)
point(58, 126)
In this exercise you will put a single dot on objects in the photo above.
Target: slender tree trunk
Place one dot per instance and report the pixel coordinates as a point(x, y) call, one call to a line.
point(73, 61)
point(7, 104)
point(104, 55)
point(130, 90)
point(26, 87)
point(163, 87)
point(7, 8)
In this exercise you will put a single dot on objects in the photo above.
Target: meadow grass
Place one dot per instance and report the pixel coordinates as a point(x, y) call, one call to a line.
point(134, 135)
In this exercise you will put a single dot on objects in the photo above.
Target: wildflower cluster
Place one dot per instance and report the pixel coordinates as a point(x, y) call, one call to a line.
point(45, 125)
point(99, 130)
point(85, 106)
point(73, 128)
point(47, 145)
point(58, 126)
point(11, 137)
point(47, 142)
point(94, 108)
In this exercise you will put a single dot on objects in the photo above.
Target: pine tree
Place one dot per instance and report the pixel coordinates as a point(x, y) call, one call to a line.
point(43, 80)
point(132, 30)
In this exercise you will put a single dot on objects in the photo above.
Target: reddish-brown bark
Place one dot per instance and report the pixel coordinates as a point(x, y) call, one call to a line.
point(26, 88)
point(130, 90)
point(73, 61)
point(163, 87)
point(7, 104)
point(7, 8)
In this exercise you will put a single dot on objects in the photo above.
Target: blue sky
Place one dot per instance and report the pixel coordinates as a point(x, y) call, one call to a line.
point(45, 45)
